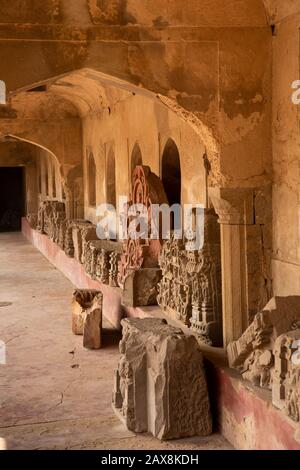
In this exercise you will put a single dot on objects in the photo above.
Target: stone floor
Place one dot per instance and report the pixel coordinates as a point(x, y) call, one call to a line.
point(53, 393)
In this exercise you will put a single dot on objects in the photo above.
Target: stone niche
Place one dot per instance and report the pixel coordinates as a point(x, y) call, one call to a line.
point(267, 354)
point(141, 255)
point(87, 317)
point(160, 384)
point(190, 289)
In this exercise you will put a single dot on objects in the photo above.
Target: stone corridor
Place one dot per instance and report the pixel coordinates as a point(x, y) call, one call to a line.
point(54, 394)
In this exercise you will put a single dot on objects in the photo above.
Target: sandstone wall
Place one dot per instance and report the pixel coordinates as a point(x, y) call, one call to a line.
point(149, 124)
point(286, 160)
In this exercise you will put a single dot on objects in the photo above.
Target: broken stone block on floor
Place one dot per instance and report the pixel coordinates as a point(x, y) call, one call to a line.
point(87, 317)
point(160, 384)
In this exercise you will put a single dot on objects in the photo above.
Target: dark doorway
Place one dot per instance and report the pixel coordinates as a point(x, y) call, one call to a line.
point(171, 173)
point(11, 199)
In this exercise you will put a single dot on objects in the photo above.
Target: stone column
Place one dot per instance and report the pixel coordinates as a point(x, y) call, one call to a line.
point(245, 247)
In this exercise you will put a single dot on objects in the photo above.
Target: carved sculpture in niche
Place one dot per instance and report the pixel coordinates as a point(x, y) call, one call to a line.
point(160, 385)
point(139, 254)
point(190, 289)
point(264, 353)
point(87, 317)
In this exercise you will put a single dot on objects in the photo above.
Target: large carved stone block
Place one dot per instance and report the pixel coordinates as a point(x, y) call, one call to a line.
point(160, 385)
point(87, 317)
point(261, 354)
point(101, 260)
point(190, 289)
point(51, 215)
point(77, 229)
point(147, 189)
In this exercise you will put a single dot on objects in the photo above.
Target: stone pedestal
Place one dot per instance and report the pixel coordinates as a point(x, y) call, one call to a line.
point(160, 385)
point(87, 317)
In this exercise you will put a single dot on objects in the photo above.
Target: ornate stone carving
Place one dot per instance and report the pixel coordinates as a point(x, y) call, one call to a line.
point(87, 317)
point(50, 215)
point(101, 260)
point(113, 271)
point(77, 233)
point(147, 189)
point(32, 219)
point(190, 289)
point(267, 353)
point(160, 385)
point(286, 375)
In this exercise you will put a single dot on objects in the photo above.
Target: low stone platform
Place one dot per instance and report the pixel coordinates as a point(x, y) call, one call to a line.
point(240, 410)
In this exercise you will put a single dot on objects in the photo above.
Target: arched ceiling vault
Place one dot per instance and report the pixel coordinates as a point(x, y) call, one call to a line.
point(87, 91)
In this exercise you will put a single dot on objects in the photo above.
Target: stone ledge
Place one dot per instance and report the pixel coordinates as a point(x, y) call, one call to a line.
point(245, 414)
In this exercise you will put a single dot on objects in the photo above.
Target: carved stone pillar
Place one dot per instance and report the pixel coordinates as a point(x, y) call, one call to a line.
point(245, 218)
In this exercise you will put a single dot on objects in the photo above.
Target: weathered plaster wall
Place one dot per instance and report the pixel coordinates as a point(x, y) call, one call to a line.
point(210, 57)
point(286, 159)
point(140, 120)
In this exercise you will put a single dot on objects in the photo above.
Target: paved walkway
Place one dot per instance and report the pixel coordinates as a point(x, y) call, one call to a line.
point(54, 394)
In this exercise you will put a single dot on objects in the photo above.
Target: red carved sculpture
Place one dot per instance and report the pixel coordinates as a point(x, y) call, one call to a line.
point(147, 189)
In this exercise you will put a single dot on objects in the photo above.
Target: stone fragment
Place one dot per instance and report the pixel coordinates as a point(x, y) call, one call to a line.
point(190, 289)
point(286, 375)
point(92, 328)
point(140, 287)
point(160, 385)
point(87, 317)
point(259, 354)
